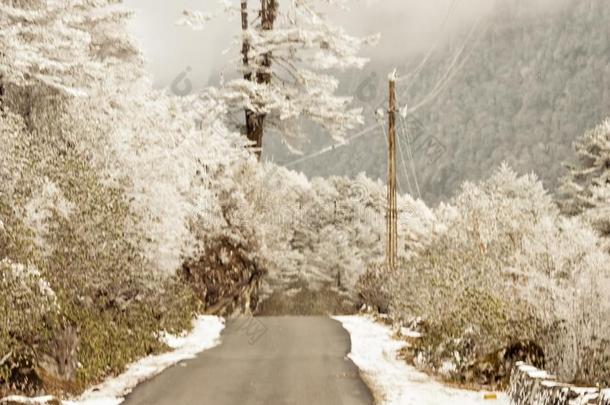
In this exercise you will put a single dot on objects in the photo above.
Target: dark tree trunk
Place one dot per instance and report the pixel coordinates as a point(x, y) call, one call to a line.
point(250, 116)
point(1, 95)
point(255, 122)
point(246, 45)
point(268, 14)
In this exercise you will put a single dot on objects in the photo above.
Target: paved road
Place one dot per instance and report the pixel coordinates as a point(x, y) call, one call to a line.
point(265, 361)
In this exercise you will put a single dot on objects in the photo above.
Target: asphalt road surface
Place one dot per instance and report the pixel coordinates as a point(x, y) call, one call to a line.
point(266, 361)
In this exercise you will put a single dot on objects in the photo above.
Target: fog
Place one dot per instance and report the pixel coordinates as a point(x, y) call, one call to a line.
point(170, 49)
point(406, 26)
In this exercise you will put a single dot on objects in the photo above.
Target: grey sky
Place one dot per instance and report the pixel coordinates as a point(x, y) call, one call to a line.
point(405, 26)
point(170, 49)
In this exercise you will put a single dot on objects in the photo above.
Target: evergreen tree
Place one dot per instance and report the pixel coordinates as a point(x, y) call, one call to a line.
point(586, 189)
point(286, 58)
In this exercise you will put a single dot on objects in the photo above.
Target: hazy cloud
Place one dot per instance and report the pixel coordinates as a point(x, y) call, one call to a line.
point(406, 26)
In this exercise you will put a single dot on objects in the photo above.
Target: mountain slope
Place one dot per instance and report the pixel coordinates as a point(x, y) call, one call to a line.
point(527, 85)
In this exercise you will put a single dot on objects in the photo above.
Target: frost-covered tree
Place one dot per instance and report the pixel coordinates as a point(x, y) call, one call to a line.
point(506, 267)
point(64, 45)
point(288, 49)
point(41, 44)
point(586, 189)
point(173, 169)
point(74, 216)
point(323, 232)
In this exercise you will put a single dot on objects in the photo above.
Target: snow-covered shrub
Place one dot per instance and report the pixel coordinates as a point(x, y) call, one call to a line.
point(227, 264)
point(373, 287)
point(508, 268)
point(64, 47)
point(101, 180)
point(62, 211)
point(29, 307)
point(172, 161)
point(586, 188)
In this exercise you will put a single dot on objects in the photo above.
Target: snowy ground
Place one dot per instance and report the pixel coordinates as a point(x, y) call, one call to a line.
point(393, 381)
point(205, 335)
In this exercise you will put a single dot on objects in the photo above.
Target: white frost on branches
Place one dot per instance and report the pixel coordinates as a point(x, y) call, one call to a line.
point(63, 44)
point(47, 201)
point(301, 48)
point(586, 188)
point(167, 157)
point(197, 20)
point(27, 280)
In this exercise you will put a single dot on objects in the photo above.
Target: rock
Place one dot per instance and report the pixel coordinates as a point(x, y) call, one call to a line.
point(605, 399)
point(532, 386)
point(495, 369)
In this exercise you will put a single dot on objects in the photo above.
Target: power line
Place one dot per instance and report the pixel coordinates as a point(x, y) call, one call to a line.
point(409, 151)
point(385, 136)
point(404, 166)
point(331, 148)
point(413, 76)
point(446, 78)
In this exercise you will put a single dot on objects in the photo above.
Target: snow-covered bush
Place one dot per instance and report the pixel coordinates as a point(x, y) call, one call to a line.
point(227, 264)
point(88, 185)
point(172, 161)
point(60, 213)
point(374, 289)
point(508, 268)
point(28, 305)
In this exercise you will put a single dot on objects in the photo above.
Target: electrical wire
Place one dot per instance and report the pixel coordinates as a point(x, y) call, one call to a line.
point(410, 153)
point(450, 72)
point(385, 136)
point(413, 76)
point(404, 166)
point(331, 148)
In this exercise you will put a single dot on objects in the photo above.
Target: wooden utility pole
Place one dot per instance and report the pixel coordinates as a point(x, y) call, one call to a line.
point(392, 214)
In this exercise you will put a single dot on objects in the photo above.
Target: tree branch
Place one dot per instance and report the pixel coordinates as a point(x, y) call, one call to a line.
point(6, 357)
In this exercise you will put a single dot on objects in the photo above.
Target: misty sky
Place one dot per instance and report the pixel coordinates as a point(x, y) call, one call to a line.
point(405, 26)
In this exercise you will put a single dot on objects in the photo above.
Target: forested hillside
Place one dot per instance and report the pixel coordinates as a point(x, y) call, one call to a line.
point(524, 87)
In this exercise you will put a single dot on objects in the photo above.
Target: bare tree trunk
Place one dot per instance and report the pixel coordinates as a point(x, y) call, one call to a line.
point(256, 122)
point(246, 45)
point(268, 14)
point(1, 95)
point(250, 116)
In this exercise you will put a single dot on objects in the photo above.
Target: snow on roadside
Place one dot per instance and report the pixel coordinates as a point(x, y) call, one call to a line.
point(374, 351)
point(205, 335)
point(16, 399)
